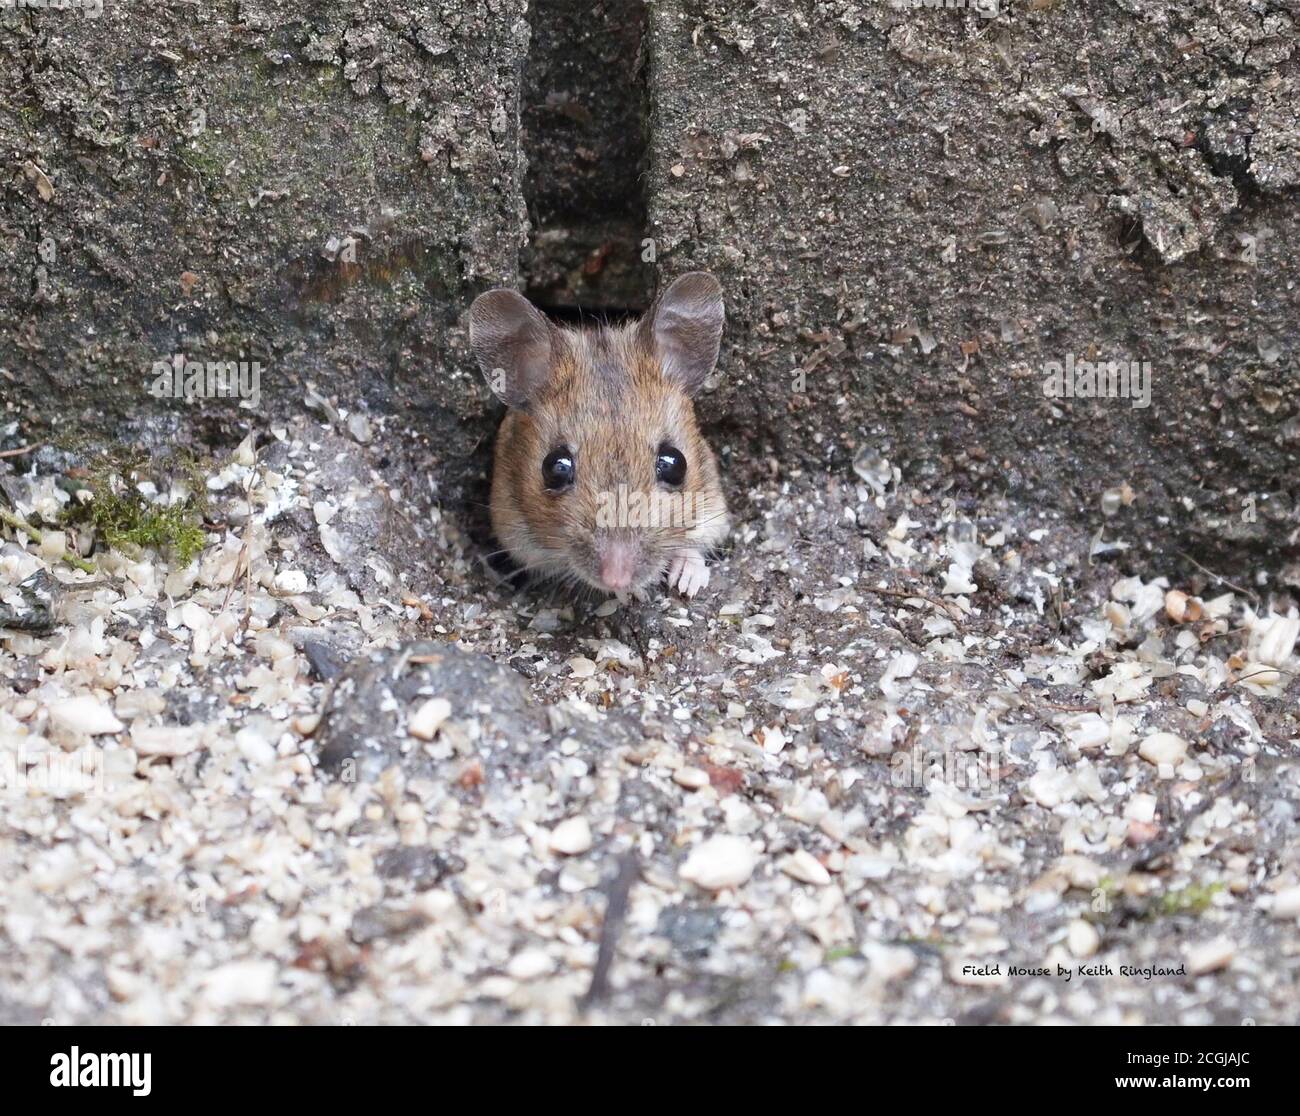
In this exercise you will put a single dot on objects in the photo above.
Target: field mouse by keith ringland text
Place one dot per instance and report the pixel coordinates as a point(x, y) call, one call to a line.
point(602, 477)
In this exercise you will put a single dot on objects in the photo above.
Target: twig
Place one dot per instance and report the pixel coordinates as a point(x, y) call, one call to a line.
point(611, 928)
point(954, 613)
point(21, 450)
point(1266, 670)
point(245, 556)
point(19, 524)
point(1218, 578)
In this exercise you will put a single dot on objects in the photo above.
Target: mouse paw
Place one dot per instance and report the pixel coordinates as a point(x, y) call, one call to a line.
point(688, 573)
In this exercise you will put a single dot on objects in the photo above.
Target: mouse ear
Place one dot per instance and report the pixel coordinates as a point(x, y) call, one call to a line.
point(685, 328)
point(511, 340)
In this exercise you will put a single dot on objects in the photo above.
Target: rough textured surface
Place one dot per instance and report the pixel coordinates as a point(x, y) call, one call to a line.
point(364, 731)
point(951, 703)
point(585, 132)
point(895, 748)
point(321, 188)
point(913, 210)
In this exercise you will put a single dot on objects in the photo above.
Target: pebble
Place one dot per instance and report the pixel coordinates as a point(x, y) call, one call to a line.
point(1208, 957)
point(240, 983)
point(571, 837)
point(359, 428)
point(195, 617)
point(254, 747)
point(426, 720)
point(720, 862)
point(165, 740)
point(1163, 747)
point(582, 667)
point(1180, 608)
point(692, 778)
point(889, 962)
point(1052, 787)
point(529, 964)
point(1286, 903)
point(368, 869)
point(1082, 938)
point(803, 866)
point(291, 581)
point(84, 714)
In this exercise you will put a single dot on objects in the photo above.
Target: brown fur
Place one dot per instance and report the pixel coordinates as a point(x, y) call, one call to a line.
point(607, 399)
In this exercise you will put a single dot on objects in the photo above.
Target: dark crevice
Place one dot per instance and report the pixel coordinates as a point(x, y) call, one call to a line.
point(1223, 140)
point(587, 315)
point(584, 131)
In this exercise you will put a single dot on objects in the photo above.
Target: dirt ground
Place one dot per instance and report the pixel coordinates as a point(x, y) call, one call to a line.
point(336, 771)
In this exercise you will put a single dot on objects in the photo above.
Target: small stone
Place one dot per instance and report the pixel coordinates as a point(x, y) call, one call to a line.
point(806, 868)
point(889, 962)
point(254, 747)
point(165, 740)
point(246, 452)
point(1052, 787)
point(52, 545)
point(772, 739)
point(1286, 904)
point(571, 837)
point(84, 714)
point(426, 720)
point(240, 983)
point(195, 617)
point(1180, 608)
point(291, 581)
point(530, 964)
point(692, 778)
point(720, 862)
point(31, 605)
point(1082, 938)
point(1209, 957)
point(1163, 747)
point(359, 428)
point(418, 865)
point(582, 667)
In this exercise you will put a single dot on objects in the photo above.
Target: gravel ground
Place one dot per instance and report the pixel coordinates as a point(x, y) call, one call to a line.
point(337, 771)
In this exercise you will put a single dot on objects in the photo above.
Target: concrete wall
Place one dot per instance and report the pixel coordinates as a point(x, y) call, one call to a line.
point(913, 213)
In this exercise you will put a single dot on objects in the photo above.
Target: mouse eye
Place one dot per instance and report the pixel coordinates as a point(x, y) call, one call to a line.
point(670, 465)
point(557, 470)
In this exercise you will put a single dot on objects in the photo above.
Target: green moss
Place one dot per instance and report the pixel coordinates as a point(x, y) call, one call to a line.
point(1193, 899)
point(128, 521)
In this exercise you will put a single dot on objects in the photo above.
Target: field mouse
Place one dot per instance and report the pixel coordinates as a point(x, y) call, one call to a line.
point(602, 477)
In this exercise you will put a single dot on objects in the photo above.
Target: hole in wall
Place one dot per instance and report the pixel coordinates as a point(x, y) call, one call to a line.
point(585, 135)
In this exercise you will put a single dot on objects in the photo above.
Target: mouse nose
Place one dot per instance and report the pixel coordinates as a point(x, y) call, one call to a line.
point(617, 564)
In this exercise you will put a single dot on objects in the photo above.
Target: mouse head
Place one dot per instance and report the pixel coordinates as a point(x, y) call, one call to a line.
point(601, 473)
